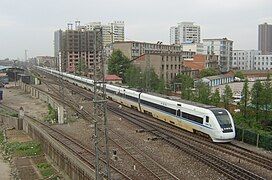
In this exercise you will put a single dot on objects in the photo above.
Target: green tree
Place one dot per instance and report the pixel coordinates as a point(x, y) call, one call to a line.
point(256, 97)
point(133, 77)
point(187, 83)
point(147, 80)
point(151, 81)
point(245, 98)
point(215, 98)
point(208, 72)
point(267, 100)
point(239, 74)
point(203, 92)
point(118, 63)
point(227, 96)
point(81, 67)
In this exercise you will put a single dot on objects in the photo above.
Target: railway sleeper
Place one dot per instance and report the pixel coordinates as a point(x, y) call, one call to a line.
point(155, 138)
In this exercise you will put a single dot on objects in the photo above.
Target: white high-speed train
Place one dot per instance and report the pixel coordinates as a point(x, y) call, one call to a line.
point(217, 123)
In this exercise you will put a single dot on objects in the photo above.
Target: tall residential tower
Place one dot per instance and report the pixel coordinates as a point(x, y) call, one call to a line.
point(185, 32)
point(114, 31)
point(265, 38)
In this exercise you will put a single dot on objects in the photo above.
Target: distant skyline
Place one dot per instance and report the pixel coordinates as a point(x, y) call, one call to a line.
point(30, 24)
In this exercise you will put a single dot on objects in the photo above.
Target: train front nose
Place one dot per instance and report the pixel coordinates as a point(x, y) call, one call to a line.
point(224, 137)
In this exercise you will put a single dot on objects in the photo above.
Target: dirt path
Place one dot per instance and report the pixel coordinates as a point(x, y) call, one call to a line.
point(4, 169)
point(16, 98)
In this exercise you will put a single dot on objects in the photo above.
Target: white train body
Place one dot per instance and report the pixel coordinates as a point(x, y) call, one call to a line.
point(215, 122)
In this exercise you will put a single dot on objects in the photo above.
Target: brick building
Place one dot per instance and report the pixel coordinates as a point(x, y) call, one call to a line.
point(165, 65)
point(201, 62)
point(134, 49)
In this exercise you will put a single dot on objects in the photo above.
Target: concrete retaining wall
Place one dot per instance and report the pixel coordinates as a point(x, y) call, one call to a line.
point(69, 163)
point(66, 160)
point(8, 121)
point(36, 93)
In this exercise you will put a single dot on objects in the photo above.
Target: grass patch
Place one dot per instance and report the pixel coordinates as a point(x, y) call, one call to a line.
point(52, 115)
point(46, 169)
point(1, 137)
point(30, 148)
point(8, 113)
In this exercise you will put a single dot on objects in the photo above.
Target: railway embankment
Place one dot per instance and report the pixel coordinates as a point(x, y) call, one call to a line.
point(60, 156)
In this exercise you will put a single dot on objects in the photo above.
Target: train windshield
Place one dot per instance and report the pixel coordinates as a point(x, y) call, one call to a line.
point(222, 118)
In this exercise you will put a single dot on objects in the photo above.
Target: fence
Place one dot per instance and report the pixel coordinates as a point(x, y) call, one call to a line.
point(249, 137)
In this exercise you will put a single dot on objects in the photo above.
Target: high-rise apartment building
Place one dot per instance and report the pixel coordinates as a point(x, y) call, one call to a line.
point(265, 38)
point(221, 47)
point(185, 32)
point(57, 46)
point(76, 46)
point(112, 32)
point(174, 35)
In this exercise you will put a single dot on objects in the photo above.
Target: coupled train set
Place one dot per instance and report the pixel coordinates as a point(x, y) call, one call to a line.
point(217, 123)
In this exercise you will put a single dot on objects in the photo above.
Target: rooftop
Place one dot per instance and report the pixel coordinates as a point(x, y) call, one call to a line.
point(112, 77)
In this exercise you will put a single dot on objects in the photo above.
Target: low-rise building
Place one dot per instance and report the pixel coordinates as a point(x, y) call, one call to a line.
point(4, 79)
point(134, 49)
point(244, 59)
point(200, 62)
point(165, 65)
point(198, 48)
point(218, 80)
point(113, 79)
point(253, 75)
point(223, 48)
point(47, 61)
point(263, 62)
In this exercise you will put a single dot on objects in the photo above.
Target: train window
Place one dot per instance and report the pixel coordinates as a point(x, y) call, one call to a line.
point(192, 117)
point(178, 112)
point(179, 104)
point(207, 119)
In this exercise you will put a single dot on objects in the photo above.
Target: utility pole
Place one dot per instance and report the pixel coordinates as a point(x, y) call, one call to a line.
point(102, 169)
point(147, 71)
point(61, 83)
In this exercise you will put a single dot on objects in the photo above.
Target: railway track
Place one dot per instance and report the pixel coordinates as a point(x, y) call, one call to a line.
point(229, 149)
point(212, 161)
point(84, 153)
point(149, 167)
point(230, 170)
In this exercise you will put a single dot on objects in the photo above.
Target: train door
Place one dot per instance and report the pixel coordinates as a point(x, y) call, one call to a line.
point(178, 113)
point(207, 121)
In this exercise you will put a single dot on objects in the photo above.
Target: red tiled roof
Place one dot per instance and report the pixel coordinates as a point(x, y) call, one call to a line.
point(3, 74)
point(112, 77)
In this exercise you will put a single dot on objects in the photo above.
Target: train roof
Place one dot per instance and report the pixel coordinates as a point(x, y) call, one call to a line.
point(177, 99)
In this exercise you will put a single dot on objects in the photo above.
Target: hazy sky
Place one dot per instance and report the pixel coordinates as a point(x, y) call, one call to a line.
point(29, 24)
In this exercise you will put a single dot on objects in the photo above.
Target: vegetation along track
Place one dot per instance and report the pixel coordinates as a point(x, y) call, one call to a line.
point(231, 170)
